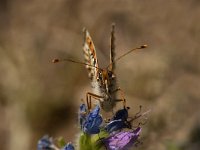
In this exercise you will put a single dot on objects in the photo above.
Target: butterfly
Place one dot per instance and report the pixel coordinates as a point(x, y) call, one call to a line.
point(103, 80)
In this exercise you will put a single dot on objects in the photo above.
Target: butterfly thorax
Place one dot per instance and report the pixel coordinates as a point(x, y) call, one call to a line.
point(107, 85)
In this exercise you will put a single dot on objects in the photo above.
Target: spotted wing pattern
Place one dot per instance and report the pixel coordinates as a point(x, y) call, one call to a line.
point(90, 55)
point(91, 59)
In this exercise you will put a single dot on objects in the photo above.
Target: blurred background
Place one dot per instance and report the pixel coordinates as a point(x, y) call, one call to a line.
point(38, 97)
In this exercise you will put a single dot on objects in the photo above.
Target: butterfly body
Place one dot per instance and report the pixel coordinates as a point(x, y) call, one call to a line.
point(107, 86)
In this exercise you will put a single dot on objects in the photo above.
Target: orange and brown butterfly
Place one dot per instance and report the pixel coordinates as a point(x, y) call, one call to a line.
point(103, 79)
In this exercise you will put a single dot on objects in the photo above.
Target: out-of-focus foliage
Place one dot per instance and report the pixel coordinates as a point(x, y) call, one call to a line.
point(38, 97)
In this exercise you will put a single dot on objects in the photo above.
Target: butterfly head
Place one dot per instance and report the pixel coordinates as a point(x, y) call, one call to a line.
point(105, 76)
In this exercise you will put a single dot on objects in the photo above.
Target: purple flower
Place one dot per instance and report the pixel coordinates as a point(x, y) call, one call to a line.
point(45, 143)
point(93, 121)
point(122, 140)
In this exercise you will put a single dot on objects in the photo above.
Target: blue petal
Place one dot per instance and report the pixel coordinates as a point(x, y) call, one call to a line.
point(119, 121)
point(92, 130)
point(115, 125)
point(82, 114)
point(98, 120)
point(94, 113)
point(83, 108)
point(92, 126)
point(93, 121)
point(69, 146)
point(45, 143)
point(121, 114)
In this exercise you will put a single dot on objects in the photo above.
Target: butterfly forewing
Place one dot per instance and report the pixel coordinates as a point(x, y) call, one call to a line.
point(111, 68)
point(90, 56)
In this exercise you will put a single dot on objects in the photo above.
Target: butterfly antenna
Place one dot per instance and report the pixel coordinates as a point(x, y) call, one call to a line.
point(56, 60)
point(137, 48)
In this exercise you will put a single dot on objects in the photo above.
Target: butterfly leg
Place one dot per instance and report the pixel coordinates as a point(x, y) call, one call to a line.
point(139, 111)
point(89, 97)
point(122, 96)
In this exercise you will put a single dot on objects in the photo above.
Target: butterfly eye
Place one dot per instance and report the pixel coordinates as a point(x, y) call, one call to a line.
point(100, 74)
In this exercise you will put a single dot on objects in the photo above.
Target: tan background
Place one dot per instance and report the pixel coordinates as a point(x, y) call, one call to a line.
point(38, 97)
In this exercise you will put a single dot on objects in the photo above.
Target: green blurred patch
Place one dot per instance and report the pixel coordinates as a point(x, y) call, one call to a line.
point(170, 145)
point(91, 142)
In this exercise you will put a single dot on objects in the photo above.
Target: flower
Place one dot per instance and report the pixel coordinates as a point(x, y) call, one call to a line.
point(45, 143)
point(117, 134)
point(115, 125)
point(121, 114)
point(82, 115)
point(92, 122)
point(122, 140)
point(119, 121)
point(69, 146)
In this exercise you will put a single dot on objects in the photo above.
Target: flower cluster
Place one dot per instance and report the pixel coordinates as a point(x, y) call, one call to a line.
point(115, 134)
point(46, 143)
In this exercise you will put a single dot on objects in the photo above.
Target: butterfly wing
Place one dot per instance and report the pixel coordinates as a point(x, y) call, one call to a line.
point(111, 67)
point(112, 49)
point(90, 55)
point(91, 59)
